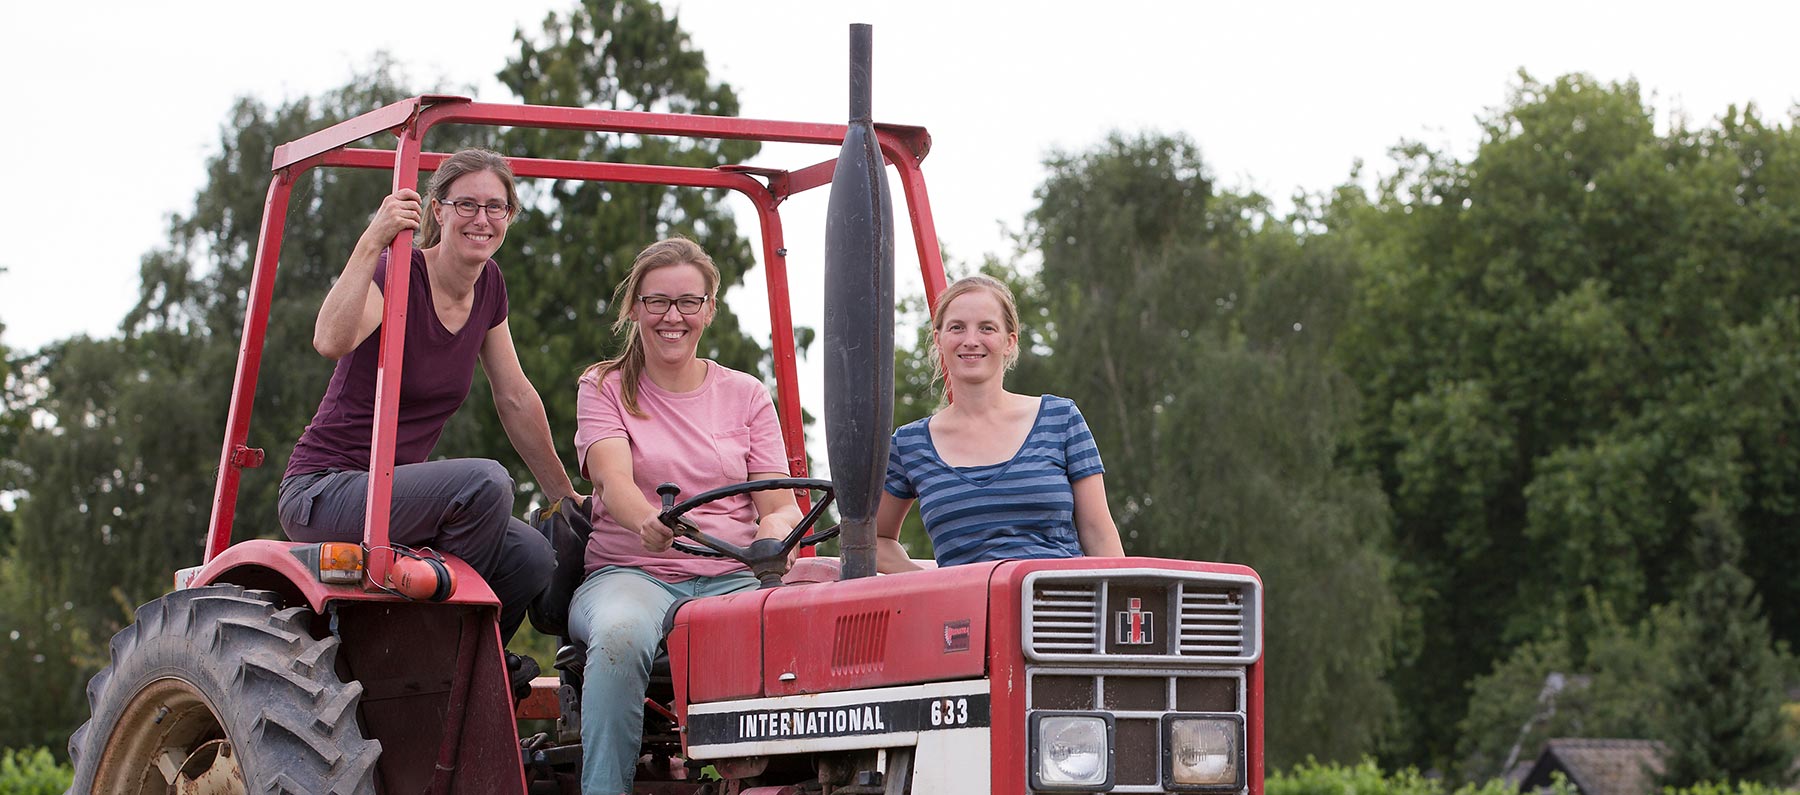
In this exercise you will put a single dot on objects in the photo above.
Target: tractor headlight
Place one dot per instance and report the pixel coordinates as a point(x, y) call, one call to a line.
point(1071, 751)
point(1203, 752)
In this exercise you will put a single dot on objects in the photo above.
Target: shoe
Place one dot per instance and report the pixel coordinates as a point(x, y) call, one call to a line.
point(520, 670)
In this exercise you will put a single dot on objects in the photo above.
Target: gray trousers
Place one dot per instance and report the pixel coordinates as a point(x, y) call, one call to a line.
point(461, 506)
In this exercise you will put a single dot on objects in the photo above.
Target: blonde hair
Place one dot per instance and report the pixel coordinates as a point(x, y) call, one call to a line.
point(1009, 315)
point(455, 167)
point(630, 363)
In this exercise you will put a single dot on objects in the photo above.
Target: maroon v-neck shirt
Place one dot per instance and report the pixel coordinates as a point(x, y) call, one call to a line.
point(439, 368)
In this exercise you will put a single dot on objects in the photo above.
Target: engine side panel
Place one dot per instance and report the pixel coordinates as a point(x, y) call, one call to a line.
point(715, 649)
point(928, 626)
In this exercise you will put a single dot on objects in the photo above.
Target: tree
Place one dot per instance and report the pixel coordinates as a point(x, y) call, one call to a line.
point(193, 293)
point(117, 476)
point(577, 240)
point(1611, 681)
point(81, 558)
point(121, 471)
point(1725, 722)
point(13, 421)
point(1191, 326)
point(1566, 343)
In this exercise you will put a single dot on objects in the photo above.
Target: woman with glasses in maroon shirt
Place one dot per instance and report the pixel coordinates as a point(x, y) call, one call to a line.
point(456, 317)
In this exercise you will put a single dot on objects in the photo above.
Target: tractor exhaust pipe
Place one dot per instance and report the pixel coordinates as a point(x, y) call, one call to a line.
point(859, 320)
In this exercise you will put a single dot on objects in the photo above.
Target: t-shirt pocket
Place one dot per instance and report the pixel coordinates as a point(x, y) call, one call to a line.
point(733, 448)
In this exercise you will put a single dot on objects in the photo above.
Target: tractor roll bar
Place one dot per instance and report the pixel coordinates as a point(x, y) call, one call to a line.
point(903, 147)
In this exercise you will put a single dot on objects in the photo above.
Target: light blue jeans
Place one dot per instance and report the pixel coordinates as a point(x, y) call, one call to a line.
point(618, 612)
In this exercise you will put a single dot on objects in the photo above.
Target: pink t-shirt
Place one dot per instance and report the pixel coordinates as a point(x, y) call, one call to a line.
point(700, 440)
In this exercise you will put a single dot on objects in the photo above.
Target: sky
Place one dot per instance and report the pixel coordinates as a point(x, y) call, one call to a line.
point(112, 108)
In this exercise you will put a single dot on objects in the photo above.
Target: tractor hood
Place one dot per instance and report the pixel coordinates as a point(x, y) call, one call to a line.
point(896, 629)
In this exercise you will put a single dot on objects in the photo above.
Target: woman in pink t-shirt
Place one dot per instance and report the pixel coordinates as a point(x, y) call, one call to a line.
point(659, 413)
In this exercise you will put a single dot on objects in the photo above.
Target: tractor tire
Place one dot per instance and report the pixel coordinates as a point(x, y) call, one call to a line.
point(218, 690)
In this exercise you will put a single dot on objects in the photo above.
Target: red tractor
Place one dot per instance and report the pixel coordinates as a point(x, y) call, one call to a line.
point(281, 667)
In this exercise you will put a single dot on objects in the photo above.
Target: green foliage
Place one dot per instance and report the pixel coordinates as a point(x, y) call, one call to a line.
point(33, 772)
point(1594, 677)
point(1725, 720)
point(193, 294)
point(116, 476)
point(917, 390)
point(1364, 778)
point(1566, 345)
point(1191, 326)
point(1463, 423)
point(116, 485)
point(58, 598)
point(1724, 788)
point(14, 419)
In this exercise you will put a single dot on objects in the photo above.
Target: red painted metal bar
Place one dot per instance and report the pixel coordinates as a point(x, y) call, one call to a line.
point(456, 711)
point(781, 333)
point(250, 349)
point(931, 256)
point(918, 204)
point(410, 119)
point(914, 141)
point(804, 179)
point(630, 122)
point(899, 144)
point(1254, 708)
point(387, 373)
point(525, 167)
point(428, 111)
point(346, 132)
point(655, 706)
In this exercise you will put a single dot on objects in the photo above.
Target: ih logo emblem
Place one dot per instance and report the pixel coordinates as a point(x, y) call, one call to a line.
point(1135, 625)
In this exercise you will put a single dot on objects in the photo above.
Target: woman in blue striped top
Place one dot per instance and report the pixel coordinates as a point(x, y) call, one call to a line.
point(997, 475)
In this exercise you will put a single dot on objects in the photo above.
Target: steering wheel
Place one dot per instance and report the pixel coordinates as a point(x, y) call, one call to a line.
point(765, 557)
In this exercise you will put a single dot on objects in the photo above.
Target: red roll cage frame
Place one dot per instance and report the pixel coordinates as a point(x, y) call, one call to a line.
point(409, 120)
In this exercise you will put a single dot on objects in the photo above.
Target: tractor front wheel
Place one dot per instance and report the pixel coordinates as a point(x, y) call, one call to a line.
point(218, 690)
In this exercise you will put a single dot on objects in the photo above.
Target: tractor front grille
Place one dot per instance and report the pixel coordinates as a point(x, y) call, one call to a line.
point(1064, 618)
point(1142, 614)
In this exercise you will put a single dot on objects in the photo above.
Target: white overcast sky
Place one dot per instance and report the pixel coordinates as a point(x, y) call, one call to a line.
point(111, 108)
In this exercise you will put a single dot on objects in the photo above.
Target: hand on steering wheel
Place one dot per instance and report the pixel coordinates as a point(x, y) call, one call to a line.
point(766, 557)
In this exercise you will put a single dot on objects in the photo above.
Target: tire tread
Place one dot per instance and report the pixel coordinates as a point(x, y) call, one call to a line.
point(274, 686)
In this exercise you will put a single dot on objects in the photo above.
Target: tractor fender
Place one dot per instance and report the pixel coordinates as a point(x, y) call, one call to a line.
point(270, 565)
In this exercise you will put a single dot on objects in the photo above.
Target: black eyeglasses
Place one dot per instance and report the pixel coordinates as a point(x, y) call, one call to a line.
point(659, 304)
point(495, 210)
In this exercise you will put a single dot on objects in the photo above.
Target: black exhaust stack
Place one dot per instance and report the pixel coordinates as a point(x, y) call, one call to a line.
point(859, 320)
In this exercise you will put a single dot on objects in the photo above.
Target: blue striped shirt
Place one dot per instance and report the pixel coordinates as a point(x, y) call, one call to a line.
point(1020, 508)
